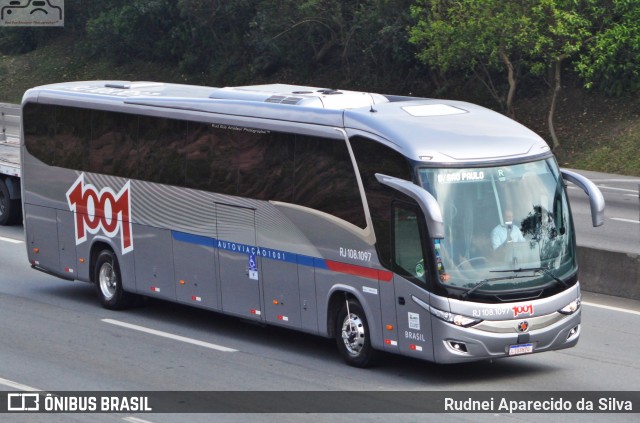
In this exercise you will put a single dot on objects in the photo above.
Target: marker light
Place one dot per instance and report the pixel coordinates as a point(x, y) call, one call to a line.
point(389, 327)
point(36, 250)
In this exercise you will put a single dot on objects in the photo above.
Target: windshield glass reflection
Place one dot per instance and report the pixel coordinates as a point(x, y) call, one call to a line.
point(508, 224)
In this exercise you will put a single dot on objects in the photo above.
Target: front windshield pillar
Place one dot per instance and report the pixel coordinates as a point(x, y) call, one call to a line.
point(425, 200)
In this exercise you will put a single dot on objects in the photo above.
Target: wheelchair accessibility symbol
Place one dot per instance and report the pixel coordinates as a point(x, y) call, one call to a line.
point(253, 267)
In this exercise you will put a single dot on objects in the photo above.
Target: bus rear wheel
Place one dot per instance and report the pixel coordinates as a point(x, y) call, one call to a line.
point(352, 335)
point(109, 282)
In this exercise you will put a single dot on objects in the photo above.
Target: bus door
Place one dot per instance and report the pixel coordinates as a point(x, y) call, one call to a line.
point(239, 261)
point(410, 282)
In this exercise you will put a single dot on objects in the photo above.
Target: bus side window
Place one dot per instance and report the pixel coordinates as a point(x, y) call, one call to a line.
point(408, 253)
point(161, 150)
point(325, 179)
point(73, 131)
point(39, 131)
point(199, 150)
point(112, 145)
point(265, 165)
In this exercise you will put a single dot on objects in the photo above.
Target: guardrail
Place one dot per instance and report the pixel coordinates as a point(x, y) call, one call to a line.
point(609, 272)
point(10, 118)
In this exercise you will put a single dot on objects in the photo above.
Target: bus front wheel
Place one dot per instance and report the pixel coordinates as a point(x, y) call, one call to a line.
point(109, 282)
point(352, 335)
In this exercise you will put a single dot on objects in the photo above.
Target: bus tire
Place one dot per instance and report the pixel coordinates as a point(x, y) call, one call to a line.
point(352, 335)
point(10, 210)
point(108, 282)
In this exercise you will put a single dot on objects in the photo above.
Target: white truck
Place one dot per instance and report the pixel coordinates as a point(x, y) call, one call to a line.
point(10, 205)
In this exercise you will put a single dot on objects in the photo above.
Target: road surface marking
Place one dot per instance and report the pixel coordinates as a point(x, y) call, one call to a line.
point(16, 385)
point(626, 181)
point(11, 240)
point(606, 307)
point(633, 191)
point(619, 219)
point(169, 335)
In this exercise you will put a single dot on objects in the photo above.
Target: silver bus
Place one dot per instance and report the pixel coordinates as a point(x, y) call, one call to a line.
point(434, 229)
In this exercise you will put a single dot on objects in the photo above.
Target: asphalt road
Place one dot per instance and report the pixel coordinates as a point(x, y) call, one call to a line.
point(621, 230)
point(54, 336)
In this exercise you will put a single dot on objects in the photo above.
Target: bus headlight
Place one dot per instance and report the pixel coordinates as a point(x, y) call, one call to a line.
point(455, 319)
point(570, 308)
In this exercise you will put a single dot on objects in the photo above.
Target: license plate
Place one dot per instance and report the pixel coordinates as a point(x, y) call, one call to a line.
point(520, 349)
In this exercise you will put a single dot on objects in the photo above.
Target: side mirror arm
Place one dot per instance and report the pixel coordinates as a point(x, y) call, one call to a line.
point(596, 200)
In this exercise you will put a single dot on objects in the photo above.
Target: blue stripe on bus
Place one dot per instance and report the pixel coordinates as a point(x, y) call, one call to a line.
point(279, 255)
point(237, 247)
point(305, 260)
point(193, 239)
point(320, 264)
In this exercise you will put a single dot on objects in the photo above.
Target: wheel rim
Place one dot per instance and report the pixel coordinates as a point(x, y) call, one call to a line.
point(353, 334)
point(107, 280)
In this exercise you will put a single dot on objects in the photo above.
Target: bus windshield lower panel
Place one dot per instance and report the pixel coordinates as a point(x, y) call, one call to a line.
point(507, 229)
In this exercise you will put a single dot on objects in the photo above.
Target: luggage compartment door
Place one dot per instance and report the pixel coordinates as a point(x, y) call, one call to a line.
point(239, 261)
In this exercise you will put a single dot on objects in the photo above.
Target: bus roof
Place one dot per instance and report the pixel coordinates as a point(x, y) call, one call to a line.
point(428, 130)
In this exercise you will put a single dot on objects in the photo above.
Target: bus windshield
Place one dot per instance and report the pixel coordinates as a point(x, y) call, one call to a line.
point(507, 228)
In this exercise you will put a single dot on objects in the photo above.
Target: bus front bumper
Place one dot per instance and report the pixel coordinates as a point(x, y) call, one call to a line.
point(497, 339)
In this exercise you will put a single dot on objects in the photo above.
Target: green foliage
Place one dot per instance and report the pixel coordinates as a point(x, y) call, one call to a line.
point(610, 61)
point(246, 39)
point(368, 36)
point(619, 154)
point(141, 29)
point(599, 39)
point(559, 31)
point(497, 37)
point(18, 40)
point(369, 42)
point(212, 38)
point(465, 34)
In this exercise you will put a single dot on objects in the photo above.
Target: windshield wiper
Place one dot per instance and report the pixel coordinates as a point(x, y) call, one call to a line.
point(486, 281)
point(542, 270)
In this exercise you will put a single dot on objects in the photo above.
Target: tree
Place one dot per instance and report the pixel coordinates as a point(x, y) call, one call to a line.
point(134, 29)
point(213, 39)
point(486, 35)
point(610, 60)
point(477, 36)
point(364, 38)
point(560, 29)
point(299, 33)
